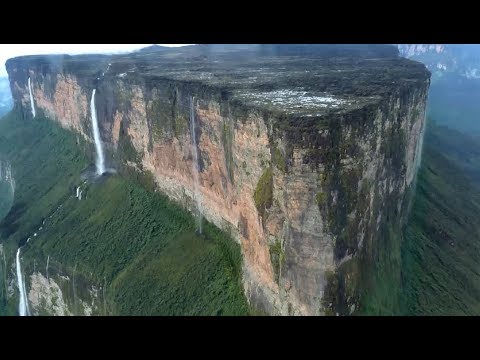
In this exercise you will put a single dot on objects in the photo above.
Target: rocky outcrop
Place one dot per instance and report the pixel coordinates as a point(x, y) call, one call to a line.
point(56, 295)
point(46, 294)
point(305, 160)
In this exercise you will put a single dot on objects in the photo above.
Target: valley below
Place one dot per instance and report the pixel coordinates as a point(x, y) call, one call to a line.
point(120, 250)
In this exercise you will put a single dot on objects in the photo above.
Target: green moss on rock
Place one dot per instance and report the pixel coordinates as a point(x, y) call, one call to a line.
point(278, 159)
point(394, 147)
point(263, 195)
point(123, 98)
point(330, 296)
point(349, 185)
point(126, 150)
point(181, 125)
point(321, 198)
point(277, 257)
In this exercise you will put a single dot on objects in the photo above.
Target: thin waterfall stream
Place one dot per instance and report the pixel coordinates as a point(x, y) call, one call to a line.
point(100, 160)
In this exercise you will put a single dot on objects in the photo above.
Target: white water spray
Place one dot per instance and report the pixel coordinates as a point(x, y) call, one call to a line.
point(5, 272)
point(418, 159)
point(23, 303)
point(100, 161)
point(74, 291)
point(48, 260)
point(9, 178)
point(23, 307)
point(6, 175)
point(104, 299)
point(195, 165)
point(79, 193)
point(31, 97)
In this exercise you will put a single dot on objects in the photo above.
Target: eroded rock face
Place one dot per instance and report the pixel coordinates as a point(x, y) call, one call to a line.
point(56, 295)
point(305, 194)
point(46, 295)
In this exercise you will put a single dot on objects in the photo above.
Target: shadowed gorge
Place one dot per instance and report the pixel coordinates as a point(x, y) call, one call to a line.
point(300, 159)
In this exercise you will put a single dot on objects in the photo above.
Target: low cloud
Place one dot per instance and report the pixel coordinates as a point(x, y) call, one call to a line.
point(8, 51)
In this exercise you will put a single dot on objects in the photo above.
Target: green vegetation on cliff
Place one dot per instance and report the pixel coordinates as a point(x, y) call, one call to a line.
point(146, 249)
point(138, 243)
point(461, 149)
point(440, 249)
point(277, 256)
point(263, 195)
point(441, 252)
point(5, 198)
point(46, 165)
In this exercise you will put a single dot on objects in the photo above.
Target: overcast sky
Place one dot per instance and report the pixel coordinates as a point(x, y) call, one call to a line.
point(8, 51)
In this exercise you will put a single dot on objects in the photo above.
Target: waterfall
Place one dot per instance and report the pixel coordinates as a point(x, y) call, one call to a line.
point(418, 160)
point(6, 176)
point(75, 311)
point(9, 177)
point(31, 97)
point(100, 161)
point(104, 299)
point(48, 260)
point(5, 272)
point(79, 193)
point(23, 302)
point(23, 308)
point(195, 165)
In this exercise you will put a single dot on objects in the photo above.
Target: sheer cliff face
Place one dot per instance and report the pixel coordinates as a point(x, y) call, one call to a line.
point(306, 181)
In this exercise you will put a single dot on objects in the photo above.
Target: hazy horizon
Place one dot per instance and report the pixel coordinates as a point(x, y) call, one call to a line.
point(8, 51)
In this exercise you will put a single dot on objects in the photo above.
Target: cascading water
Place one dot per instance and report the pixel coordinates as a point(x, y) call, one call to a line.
point(23, 308)
point(10, 179)
point(74, 290)
point(7, 188)
point(6, 175)
point(418, 159)
point(5, 272)
point(46, 268)
point(31, 97)
point(195, 165)
point(23, 302)
point(100, 161)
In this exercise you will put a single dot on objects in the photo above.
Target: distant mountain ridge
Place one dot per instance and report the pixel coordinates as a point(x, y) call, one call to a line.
point(455, 88)
point(6, 101)
point(462, 59)
point(154, 48)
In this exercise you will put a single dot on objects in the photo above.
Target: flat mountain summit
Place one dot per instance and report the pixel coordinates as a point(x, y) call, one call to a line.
point(296, 79)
